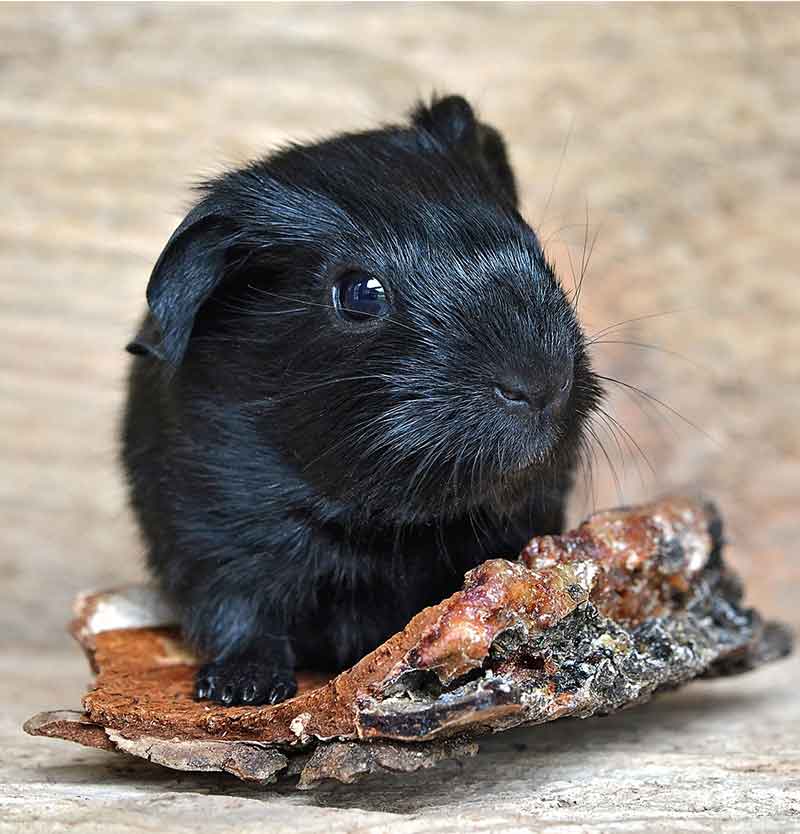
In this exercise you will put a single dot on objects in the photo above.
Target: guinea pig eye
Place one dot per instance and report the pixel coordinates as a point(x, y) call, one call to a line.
point(360, 297)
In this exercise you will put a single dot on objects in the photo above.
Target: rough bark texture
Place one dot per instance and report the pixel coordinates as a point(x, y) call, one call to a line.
point(632, 602)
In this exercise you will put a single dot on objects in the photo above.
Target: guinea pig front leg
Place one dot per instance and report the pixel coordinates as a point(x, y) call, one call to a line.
point(249, 678)
point(251, 658)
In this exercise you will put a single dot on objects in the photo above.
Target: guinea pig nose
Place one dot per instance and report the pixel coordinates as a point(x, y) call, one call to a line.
point(521, 393)
point(516, 394)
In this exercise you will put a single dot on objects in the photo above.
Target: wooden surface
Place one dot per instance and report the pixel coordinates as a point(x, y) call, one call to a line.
point(721, 756)
point(682, 134)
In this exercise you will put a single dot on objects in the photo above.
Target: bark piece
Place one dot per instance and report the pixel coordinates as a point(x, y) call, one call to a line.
point(631, 602)
point(351, 761)
point(70, 725)
point(251, 761)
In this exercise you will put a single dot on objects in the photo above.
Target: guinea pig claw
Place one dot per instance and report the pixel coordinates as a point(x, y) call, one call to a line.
point(250, 694)
point(203, 689)
point(244, 681)
point(282, 690)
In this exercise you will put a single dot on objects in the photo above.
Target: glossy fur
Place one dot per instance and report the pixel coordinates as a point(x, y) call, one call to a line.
point(306, 485)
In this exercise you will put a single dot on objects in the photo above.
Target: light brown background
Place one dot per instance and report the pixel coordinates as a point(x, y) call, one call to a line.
point(676, 126)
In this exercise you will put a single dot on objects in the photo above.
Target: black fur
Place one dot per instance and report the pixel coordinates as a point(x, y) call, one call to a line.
point(305, 485)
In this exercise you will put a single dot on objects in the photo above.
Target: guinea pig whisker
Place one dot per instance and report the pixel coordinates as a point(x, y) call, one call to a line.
point(599, 443)
point(316, 386)
point(426, 465)
point(463, 468)
point(294, 300)
point(593, 337)
point(276, 399)
point(609, 428)
point(658, 348)
point(554, 183)
point(630, 443)
point(574, 279)
point(267, 314)
point(653, 399)
point(231, 307)
point(628, 439)
point(585, 455)
point(587, 459)
point(585, 257)
point(656, 417)
point(481, 459)
point(376, 446)
point(484, 531)
point(227, 340)
point(556, 233)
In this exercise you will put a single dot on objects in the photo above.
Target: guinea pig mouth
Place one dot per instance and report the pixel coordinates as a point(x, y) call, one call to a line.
point(537, 447)
point(524, 470)
point(512, 476)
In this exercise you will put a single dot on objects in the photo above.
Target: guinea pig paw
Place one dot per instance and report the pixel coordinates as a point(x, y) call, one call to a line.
point(243, 682)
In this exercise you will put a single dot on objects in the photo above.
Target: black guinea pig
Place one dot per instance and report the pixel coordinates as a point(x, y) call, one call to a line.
point(358, 378)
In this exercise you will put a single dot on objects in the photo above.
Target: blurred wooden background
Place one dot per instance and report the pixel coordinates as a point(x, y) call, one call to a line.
point(674, 128)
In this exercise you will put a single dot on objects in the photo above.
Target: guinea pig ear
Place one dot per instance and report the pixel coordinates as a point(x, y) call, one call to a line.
point(450, 119)
point(184, 277)
point(453, 122)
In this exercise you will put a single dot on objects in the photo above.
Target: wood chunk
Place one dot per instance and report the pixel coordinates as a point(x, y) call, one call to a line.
point(631, 602)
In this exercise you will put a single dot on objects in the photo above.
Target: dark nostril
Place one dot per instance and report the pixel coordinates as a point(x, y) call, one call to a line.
point(512, 396)
point(548, 391)
point(516, 394)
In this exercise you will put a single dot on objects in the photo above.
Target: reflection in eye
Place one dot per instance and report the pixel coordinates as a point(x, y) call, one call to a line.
point(358, 296)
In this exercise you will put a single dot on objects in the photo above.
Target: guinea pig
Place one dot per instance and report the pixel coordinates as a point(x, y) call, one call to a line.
point(358, 378)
